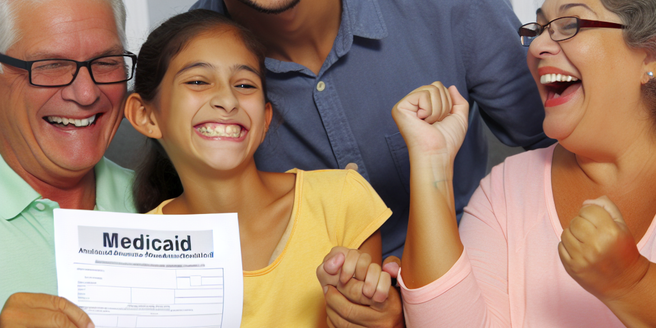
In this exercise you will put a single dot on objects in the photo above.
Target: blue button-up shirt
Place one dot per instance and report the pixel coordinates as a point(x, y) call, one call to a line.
point(384, 50)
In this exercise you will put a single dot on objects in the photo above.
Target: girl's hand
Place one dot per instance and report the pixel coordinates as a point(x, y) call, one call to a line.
point(433, 118)
point(370, 284)
point(358, 292)
point(599, 252)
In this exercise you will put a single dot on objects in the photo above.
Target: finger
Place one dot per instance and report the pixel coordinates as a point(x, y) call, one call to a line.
point(582, 229)
point(460, 104)
point(571, 244)
point(348, 268)
point(422, 101)
point(565, 257)
point(44, 310)
point(412, 101)
point(326, 278)
point(458, 120)
point(340, 311)
point(608, 205)
point(362, 267)
point(334, 264)
point(334, 251)
point(78, 317)
point(371, 280)
point(351, 166)
point(382, 288)
point(439, 100)
point(441, 104)
point(597, 216)
point(391, 265)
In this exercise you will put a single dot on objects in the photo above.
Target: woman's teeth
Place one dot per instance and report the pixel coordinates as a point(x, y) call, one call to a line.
point(66, 121)
point(220, 130)
point(550, 78)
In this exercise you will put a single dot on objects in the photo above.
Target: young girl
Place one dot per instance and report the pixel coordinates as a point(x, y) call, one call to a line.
point(200, 97)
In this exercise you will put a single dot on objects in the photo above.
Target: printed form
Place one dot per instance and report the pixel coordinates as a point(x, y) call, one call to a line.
point(138, 270)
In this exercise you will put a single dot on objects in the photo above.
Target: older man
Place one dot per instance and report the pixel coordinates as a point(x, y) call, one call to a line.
point(62, 85)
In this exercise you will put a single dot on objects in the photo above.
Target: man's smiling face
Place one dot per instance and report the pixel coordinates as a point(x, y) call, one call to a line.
point(33, 133)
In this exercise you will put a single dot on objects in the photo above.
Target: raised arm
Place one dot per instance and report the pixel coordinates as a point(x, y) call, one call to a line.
point(433, 121)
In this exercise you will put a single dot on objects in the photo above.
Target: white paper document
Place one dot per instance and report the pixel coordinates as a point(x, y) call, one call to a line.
point(138, 270)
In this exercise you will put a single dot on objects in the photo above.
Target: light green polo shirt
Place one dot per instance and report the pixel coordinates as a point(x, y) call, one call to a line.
point(27, 248)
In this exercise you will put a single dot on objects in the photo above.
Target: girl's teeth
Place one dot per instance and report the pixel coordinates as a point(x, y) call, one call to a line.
point(220, 130)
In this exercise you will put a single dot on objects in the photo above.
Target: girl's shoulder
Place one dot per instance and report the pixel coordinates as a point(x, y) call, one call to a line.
point(333, 178)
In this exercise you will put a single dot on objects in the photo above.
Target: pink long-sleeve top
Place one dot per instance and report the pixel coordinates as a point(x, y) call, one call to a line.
point(510, 274)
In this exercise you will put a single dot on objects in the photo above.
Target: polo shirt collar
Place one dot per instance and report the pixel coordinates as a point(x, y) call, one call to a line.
point(113, 191)
point(15, 193)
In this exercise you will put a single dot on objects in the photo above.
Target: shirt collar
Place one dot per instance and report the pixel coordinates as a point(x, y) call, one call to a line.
point(15, 193)
point(361, 18)
point(113, 187)
point(112, 191)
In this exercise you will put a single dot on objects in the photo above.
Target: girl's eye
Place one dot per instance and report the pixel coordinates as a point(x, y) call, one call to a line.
point(197, 82)
point(245, 86)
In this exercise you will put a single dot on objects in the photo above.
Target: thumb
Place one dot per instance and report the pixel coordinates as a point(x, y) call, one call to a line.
point(460, 104)
point(608, 205)
point(391, 265)
point(334, 264)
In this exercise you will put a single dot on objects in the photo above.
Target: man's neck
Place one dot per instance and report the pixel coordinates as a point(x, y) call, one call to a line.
point(77, 191)
point(304, 34)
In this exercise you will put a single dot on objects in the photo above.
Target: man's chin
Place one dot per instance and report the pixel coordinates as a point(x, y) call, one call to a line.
point(273, 9)
point(77, 164)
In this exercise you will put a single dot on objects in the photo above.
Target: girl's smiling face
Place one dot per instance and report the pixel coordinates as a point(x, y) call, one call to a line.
point(211, 109)
point(605, 74)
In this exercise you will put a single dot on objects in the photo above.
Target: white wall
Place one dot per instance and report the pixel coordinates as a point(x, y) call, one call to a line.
point(144, 15)
point(525, 9)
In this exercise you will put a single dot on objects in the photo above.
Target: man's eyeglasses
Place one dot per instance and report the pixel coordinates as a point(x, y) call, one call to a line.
point(560, 29)
point(62, 72)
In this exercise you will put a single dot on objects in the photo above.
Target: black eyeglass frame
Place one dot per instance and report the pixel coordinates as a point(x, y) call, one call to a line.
point(27, 65)
point(580, 23)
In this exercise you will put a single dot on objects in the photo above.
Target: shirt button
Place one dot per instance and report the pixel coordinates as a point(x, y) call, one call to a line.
point(321, 86)
point(40, 207)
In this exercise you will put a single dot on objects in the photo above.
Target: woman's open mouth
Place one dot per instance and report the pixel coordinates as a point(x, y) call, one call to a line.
point(560, 88)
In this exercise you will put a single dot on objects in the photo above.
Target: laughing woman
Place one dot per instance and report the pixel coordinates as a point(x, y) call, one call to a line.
point(558, 237)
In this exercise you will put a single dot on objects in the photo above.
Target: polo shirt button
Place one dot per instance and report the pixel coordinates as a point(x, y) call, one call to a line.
point(40, 207)
point(321, 86)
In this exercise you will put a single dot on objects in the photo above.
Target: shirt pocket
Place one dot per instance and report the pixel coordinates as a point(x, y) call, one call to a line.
point(399, 151)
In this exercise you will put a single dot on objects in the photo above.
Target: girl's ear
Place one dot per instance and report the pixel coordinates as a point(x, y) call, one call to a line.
point(268, 111)
point(142, 116)
point(268, 115)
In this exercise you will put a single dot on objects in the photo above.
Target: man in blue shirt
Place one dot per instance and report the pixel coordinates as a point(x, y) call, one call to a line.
point(337, 67)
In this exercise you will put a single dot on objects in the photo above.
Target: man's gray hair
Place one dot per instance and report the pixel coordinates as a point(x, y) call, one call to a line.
point(9, 35)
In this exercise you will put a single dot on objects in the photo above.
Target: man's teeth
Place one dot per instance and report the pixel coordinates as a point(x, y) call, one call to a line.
point(550, 78)
point(66, 121)
point(220, 130)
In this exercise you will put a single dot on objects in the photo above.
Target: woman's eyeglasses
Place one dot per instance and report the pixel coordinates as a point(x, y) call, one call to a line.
point(560, 29)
